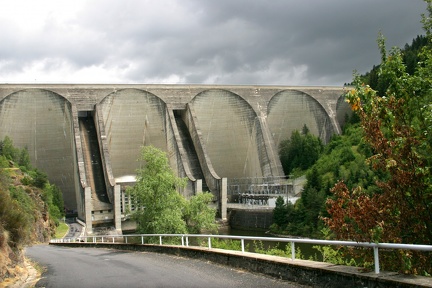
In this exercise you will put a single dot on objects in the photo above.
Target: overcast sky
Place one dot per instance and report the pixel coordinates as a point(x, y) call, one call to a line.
point(276, 42)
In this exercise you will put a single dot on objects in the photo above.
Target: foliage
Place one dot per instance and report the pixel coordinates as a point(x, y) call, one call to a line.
point(343, 158)
point(51, 194)
point(198, 215)
point(331, 254)
point(39, 179)
point(15, 220)
point(8, 150)
point(259, 248)
point(53, 197)
point(397, 125)
point(300, 151)
point(160, 208)
point(25, 194)
point(227, 244)
point(275, 251)
point(279, 212)
point(411, 58)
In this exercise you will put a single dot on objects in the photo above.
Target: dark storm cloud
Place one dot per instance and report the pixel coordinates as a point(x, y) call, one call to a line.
point(331, 37)
point(201, 41)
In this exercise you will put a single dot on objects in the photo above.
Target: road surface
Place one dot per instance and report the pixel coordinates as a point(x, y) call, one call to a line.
point(99, 267)
point(74, 228)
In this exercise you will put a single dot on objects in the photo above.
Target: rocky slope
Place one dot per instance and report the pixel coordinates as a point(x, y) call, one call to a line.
point(24, 220)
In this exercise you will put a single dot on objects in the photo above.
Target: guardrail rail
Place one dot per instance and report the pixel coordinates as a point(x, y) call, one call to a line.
point(185, 242)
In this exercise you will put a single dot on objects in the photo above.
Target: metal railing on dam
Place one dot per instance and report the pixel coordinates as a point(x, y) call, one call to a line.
point(185, 242)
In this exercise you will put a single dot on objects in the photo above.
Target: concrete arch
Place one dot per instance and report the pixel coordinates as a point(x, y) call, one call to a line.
point(42, 121)
point(231, 133)
point(132, 118)
point(290, 110)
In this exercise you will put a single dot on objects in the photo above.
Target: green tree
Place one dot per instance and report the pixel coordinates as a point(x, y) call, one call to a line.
point(52, 196)
point(40, 179)
point(159, 207)
point(198, 215)
point(342, 158)
point(8, 150)
point(397, 125)
point(410, 56)
point(300, 151)
point(24, 159)
point(280, 213)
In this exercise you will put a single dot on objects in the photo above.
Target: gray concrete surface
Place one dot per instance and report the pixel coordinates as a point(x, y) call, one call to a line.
point(305, 272)
point(90, 267)
point(41, 121)
point(236, 131)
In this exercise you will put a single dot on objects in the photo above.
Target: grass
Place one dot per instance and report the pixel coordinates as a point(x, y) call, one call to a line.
point(61, 230)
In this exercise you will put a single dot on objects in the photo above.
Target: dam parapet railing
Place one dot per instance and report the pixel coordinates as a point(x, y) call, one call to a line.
point(186, 242)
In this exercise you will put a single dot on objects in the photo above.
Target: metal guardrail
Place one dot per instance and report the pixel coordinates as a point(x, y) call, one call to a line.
point(293, 241)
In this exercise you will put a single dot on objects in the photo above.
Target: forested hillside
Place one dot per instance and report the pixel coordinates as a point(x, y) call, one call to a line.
point(344, 158)
point(410, 56)
point(373, 183)
point(30, 208)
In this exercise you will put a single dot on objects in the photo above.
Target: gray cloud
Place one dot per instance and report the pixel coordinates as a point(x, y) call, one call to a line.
point(202, 41)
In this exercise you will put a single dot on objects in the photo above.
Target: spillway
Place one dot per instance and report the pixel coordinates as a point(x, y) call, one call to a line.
point(191, 154)
point(101, 206)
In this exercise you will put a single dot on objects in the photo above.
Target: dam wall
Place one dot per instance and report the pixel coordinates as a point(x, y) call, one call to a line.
point(42, 122)
point(235, 131)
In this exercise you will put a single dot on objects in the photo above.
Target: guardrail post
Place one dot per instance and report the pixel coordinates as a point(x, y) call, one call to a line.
point(376, 260)
point(113, 239)
point(160, 240)
point(242, 244)
point(187, 241)
point(142, 240)
point(102, 239)
point(182, 240)
point(126, 239)
point(209, 242)
point(292, 251)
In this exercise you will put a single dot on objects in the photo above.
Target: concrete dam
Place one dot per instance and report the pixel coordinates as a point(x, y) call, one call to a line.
point(87, 138)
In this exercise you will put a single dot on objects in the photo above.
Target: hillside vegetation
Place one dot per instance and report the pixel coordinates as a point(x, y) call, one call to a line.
point(373, 183)
point(30, 208)
point(343, 158)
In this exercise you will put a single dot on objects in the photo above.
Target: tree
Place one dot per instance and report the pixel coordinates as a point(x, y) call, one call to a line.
point(159, 207)
point(53, 198)
point(343, 158)
point(8, 150)
point(24, 159)
point(198, 215)
point(397, 125)
point(280, 213)
point(300, 151)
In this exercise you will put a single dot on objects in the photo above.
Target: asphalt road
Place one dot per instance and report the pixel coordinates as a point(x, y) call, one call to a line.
point(98, 267)
point(74, 229)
